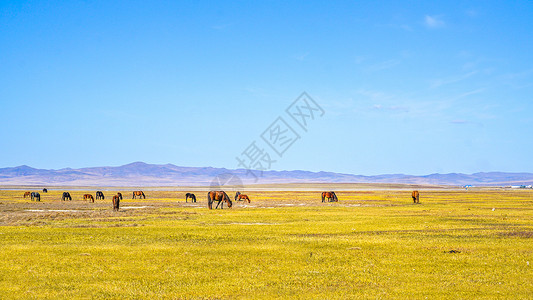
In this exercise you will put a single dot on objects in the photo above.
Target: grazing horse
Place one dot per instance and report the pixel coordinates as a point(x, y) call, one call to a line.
point(119, 194)
point(88, 197)
point(138, 193)
point(116, 202)
point(100, 195)
point(330, 196)
point(218, 196)
point(27, 194)
point(416, 196)
point(190, 195)
point(66, 196)
point(35, 196)
point(241, 197)
point(45, 191)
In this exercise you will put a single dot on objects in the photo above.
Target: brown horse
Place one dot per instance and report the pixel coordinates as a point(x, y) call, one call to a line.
point(27, 194)
point(119, 194)
point(330, 196)
point(116, 202)
point(218, 196)
point(416, 196)
point(140, 194)
point(242, 197)
point(88, 197)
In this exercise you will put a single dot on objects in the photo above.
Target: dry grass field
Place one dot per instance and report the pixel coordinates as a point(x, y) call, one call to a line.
point(373, 243)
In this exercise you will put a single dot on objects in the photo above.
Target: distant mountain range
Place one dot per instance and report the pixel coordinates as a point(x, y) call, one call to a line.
point(142, 174)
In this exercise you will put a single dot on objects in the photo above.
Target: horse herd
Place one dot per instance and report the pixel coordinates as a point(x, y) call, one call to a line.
point(99, 196)
point(213, 196)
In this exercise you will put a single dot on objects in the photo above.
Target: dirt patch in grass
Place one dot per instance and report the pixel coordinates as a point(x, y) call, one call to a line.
point(520, 234)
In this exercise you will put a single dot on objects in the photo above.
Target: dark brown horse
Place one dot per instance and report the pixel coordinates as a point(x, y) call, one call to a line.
point(241, 197)
point(35, 196)
point(190, 195)
point(88, 197)
point(116, 202)
point(100, 195)
point(66, 196)
point(416, 196)
point(119, 194)
point(27, 194)
point(330, 196)
point(45, 191)
point(218, 196)
point(139, 194)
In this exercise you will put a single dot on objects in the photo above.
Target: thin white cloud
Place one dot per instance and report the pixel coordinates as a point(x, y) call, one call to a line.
point(384, 65)
point(392, 108)
point(375, 95)
point(406, 27)
point(472, 13)
point(360, 59)
point(459, 121)
point(518, 80)
point(435, 83)
point(221, 26)
point(433, 21)
point(469, 93)
point(302, 56)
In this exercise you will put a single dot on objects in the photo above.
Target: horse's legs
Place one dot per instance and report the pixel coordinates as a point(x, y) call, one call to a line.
point(221, 204)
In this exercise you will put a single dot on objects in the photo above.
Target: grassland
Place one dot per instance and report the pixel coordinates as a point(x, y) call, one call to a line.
point(285, 244)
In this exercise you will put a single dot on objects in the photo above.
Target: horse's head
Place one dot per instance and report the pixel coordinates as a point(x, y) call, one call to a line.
point(227, 199)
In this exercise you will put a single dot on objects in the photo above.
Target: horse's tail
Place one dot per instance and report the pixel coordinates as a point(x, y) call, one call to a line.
point(323, 196)
point(209, 201)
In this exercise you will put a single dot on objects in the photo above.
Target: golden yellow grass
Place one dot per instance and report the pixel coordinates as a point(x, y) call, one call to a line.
point(284, 244)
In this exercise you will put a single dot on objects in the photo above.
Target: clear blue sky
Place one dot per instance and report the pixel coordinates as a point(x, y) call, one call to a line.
point(411, 87)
